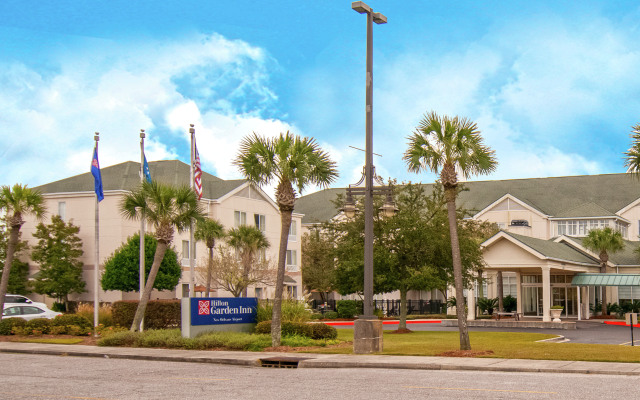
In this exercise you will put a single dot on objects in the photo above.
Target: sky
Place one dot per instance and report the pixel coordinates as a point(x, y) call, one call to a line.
point(552, 85)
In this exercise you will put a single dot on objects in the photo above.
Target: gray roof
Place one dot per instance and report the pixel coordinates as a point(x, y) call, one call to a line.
point(551, 249)
point(125, 176)
point(567, 196)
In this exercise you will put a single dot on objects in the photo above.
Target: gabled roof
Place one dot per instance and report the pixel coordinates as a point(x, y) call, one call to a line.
point(567, 195)
point(545, 248)
point(589, 209)
point(125, 176)
point(625, 257)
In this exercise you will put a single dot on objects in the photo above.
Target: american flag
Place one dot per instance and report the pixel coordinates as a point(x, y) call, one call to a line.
point(197, 172)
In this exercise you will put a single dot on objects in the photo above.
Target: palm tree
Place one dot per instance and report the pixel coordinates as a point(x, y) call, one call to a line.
point(208, 230)
point(291, 161)
point(16, 202)
point(166, 208)
point(447, 146)
point(632, 156)
point(603, 241)
point(247, 240)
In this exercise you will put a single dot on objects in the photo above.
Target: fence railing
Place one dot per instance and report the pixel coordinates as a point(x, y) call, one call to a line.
point(392, 307)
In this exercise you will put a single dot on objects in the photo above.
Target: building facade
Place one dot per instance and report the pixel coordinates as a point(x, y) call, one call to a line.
point(539, 247)
point(231, 202)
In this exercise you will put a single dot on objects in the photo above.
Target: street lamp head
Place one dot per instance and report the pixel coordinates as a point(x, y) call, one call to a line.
point(349, 207)
point(360, 7)
point(389, 208)
point(378, 18)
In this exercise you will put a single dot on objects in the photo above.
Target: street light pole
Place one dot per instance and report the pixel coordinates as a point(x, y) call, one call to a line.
point(368, 316)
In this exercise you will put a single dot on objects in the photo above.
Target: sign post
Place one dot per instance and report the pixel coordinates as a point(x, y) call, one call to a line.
point(632, 319)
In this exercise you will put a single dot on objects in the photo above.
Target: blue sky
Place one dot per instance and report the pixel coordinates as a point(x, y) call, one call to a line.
point(554, 86)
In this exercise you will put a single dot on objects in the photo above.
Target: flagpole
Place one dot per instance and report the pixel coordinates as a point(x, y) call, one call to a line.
point(192, 249)
point(142, 255)
point(96, 266)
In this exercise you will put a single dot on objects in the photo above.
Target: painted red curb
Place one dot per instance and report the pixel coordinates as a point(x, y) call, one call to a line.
point(348, 323)
point(621, 323)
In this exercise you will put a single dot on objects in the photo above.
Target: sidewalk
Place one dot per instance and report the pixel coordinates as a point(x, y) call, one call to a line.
point(308, 360)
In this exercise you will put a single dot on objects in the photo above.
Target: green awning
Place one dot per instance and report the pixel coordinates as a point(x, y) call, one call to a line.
point(606, 280)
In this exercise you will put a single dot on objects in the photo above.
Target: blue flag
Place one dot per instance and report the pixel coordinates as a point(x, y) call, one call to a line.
point(145, 170)
point(97, 177)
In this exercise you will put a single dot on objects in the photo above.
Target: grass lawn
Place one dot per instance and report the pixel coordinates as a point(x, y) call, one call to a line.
point(502, 344)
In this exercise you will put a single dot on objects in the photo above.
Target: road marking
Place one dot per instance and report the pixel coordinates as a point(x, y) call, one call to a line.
point(635, 342)
point(202, 379)
point(48, 396)
point(478, 390)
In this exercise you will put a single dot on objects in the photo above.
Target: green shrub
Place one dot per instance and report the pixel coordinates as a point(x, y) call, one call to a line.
point(295, 311)
point(488, 305)
point(330, 315)
point(263, 327)
point(159, 314)
point(170, 338)
point(72, 319)
point(123, 339)
point(287, 328)
point(38, 325)
point(59, 307)
point(7, 324)
point(509, 303)
point(264, 312)
point(348, 308)
point(323, 331)
point(316, 316)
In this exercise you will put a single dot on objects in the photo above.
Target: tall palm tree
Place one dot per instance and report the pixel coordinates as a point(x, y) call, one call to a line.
point(17, 202)
point(632, 156)
point(247, 240)
point(447, 146)
point(603, 241)
point(207, 231)
point(165, 208)
point(291, 161)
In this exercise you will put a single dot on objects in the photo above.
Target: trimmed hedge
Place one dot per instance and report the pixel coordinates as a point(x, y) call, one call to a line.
point(313, 331)
point(160, 314)
point(7, 324)
point(348, 308)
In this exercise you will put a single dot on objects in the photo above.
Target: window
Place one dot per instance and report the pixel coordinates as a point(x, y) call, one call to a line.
point(292, 260)
point(509, 286)
point(292, 292)
point(239, 218)
point(260, 221)
point(501, 225)
point(293, 231)
point(62, 210)
point(628, 293)
point(185, 252)
point(262, 255)
point(259, 292)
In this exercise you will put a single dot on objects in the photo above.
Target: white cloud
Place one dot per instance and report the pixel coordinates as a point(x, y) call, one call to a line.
point(50, 116)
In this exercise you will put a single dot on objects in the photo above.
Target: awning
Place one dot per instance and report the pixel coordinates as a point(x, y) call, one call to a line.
point(606, 280)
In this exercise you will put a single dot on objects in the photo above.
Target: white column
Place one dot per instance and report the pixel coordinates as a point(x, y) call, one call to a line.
point(471, 304)
point(587, 311)
point(519, 292)
point(546, 294)
point(579, 304)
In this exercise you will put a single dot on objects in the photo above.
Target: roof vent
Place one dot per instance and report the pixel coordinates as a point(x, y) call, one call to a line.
point(519, 222)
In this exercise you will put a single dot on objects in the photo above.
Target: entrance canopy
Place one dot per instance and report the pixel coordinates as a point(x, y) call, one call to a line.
point(606, 280)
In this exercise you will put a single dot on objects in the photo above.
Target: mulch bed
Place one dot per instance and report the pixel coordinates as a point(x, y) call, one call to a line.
point(465, 353)
point(86, 340)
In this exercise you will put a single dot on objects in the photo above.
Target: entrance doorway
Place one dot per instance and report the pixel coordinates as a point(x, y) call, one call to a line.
point(562, 294)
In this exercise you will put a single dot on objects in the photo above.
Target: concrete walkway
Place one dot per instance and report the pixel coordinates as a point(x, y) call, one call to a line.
point(308, 360)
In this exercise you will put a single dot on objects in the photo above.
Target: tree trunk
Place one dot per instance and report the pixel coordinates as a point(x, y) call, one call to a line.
point(500, 291)
point(209, 272)
point(450, 194)
point(14, 236)
point(603, 270)
point(161, 248)
point(276, 319)
point(246, 261)
point(403, 309)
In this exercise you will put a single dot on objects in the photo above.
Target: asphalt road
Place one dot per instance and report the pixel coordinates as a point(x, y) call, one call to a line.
point(27, 376)
point(585, 332)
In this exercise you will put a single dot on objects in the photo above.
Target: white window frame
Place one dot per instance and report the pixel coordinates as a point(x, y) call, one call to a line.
point(260, 221)
point(292, 260)
point(185, 252)
point(293, 231)
point(62, 210)
point(239, 218)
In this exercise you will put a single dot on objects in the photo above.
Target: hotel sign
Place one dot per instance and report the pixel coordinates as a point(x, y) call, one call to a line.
point(223, 310)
